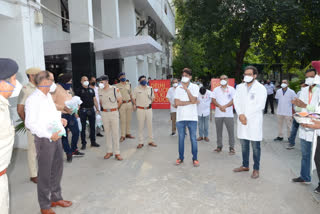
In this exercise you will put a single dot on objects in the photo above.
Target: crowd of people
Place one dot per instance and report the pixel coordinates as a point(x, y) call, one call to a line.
point(52, 110)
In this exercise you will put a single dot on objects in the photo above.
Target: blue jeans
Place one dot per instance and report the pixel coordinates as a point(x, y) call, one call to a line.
point(88, 113)
point(74, 128)
point(305, 160)
point(245, 145)
point(293, 134)
point(203, 126)
point(192, 126)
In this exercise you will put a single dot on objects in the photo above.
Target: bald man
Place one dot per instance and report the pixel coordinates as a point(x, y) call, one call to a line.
point(87, 111)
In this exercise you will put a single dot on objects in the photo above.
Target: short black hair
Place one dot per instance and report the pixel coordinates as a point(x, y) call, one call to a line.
point(311, 70)
point(41, 76)
point(187, 71)
point(142, 76)
point(254, 69)
point(64, 78)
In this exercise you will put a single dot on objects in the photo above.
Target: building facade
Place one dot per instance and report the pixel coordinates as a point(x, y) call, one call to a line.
point(88, 37)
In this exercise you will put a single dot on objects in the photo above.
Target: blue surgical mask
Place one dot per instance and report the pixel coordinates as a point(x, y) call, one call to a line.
point(123, 79)
point(143, 82)
point(66, 86)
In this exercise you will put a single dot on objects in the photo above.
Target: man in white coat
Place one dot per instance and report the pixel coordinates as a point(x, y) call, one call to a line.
point(249, 101)
point(284, 112)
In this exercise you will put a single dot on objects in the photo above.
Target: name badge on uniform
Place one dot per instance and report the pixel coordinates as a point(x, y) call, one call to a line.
point(229, 96)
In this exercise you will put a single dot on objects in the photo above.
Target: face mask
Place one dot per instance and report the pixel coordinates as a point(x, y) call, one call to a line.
point(185, 79)
point(16, 90)
point(85, 83)
point(53, 88)
point(143, 82)
point(248, 79)
point(309, 81)
point(175, 85)
point(223, 82)
point(93, 83)
point(284, 85)
point(123, 79)
point(101, 85)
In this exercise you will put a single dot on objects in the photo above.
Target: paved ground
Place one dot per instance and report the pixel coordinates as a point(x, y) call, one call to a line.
point(147, 181)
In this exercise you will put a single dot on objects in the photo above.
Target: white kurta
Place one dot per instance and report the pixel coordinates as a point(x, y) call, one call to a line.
point(284, 102)
point(6, 146)
point(251, 103)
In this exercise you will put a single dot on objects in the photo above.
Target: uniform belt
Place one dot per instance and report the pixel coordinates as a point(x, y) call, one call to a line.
point(110, 110)
point(128, 101)
point(3, 172)
point(144, 108)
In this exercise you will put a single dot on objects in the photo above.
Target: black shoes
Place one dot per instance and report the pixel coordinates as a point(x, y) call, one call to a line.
point(77, 154)
point(99, 135)
point(317, 190)
point(300, 180)
point(289, 147)
point(83, 147)
point(173, 134)
point(69, 158)
point(278, 139)
point(95, 145)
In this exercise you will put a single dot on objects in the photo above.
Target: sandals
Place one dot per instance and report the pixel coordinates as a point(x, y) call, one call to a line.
point(118, 157)
point(122, 139)
point(152, 144)
point(232, 151)
point(139, 146)
point(199, 138)
point(196, 163)
point(218, 149)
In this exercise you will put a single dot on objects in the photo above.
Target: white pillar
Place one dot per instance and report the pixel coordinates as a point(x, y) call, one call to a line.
point(110, 18)
point(80, 11)
point(127, 18)
point(21, 40)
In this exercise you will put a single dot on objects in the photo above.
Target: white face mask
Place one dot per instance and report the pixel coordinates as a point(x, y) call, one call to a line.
point(101, 85)
point(309, 81)
point(185, 79)
point(223, 82)
point(16, 90)
point(53, 88)
point(175, 85)
point(284, 85)
point(85, 83)
point(248, 79)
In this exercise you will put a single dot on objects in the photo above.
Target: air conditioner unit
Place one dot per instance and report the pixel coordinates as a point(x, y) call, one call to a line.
point(140, 23)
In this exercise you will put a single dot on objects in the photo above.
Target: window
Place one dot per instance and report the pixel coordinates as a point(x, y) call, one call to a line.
point(152, 28)
point(166, 9)
point(65, 14)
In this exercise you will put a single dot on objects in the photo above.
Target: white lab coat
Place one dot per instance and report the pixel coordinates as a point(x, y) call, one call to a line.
point(306, 133)
point(284, 102)
point(251, 103)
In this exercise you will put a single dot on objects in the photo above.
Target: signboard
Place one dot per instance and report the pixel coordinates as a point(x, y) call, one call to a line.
point(160, 89)
point(216, 82)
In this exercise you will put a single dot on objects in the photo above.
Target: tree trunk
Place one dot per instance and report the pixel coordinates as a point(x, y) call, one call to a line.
point(244, 46)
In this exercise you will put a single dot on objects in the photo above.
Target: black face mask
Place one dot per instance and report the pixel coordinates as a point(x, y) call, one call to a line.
point(93, 83)
point(202, 91)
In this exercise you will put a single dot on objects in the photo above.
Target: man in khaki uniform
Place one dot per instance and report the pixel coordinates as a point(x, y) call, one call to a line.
point(142, 99)
point(110, 101)
point(9, 87)
point(126, 107)
point(26, 91)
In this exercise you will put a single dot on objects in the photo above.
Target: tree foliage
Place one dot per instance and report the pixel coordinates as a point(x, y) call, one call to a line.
point(219, 36)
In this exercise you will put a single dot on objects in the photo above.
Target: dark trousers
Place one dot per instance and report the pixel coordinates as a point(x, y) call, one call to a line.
point(74, 128)
point(317, 158)
point(88, 113)
point(269, 100)
point(50, 169)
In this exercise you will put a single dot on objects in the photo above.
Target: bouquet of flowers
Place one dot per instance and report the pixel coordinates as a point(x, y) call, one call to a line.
point(306, 118)
point(56, 125)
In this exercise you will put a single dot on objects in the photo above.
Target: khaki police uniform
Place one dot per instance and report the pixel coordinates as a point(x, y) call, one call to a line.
point(110, 117)
point(126, 108)
point(26, 91)
point(6, 142)
point(144, 97)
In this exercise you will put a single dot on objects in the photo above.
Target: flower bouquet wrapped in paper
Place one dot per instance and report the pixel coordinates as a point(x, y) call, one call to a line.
point(73, 104)
point(306, 118)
